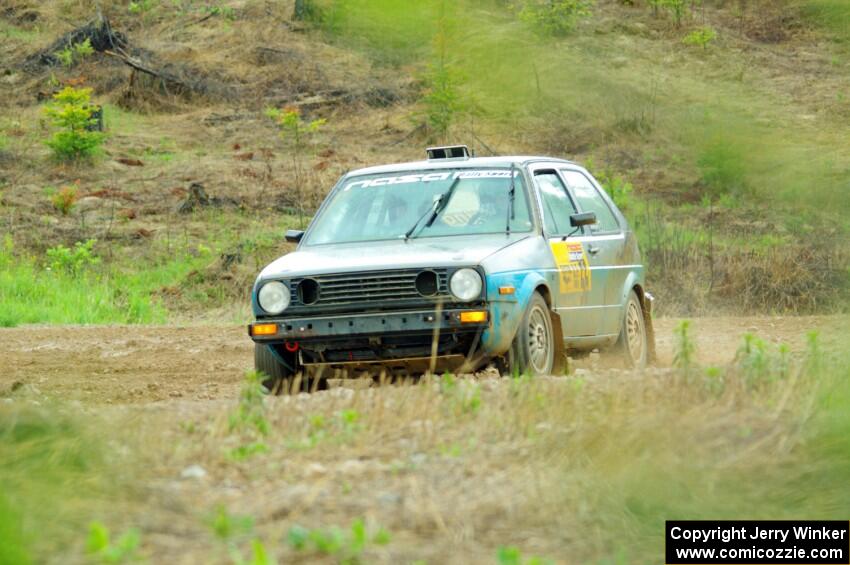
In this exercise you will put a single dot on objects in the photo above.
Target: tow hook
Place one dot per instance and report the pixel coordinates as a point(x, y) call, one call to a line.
point(292, 347)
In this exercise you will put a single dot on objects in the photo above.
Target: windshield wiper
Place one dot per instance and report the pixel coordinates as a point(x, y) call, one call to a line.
point(439, 205)
point(511, 198)
point(430, 209)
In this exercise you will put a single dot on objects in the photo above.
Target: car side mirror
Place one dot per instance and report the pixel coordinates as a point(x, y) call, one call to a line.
point(583, 219)
point(294, 236)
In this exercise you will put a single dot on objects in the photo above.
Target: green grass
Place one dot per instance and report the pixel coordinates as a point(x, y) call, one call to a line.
point(119, 120)
point(55, 479)
point(10, 31)
point(122, 287)
point(29, 293)
point(832, 15)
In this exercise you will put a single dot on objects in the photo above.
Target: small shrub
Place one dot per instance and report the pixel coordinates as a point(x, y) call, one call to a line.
point(64, 199)
point(441, 99)
point(678, 9)
point(73, 260)
point(700, 37)
point(297, 132)
point(442, 102)
point(723, 170)
point(141, 7)
point(71, 111)
point(226, 12)
point(75, 52)
point(66, 57)
point(555, 17)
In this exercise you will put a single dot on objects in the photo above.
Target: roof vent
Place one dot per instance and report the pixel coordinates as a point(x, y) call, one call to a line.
point(448, 152)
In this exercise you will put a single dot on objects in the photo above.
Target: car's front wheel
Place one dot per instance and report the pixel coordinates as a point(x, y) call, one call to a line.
point(533, 348)
point(632, 345)
point(277, 377)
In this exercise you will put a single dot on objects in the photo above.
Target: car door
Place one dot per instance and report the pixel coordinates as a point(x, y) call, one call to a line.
point(604, 242)
point(576, 300)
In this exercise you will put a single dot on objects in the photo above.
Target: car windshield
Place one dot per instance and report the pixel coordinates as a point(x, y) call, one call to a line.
point(387, 206)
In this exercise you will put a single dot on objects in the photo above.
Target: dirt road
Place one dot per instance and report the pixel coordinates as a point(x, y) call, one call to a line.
point(135, 364)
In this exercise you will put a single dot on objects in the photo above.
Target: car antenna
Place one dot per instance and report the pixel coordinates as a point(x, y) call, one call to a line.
point(511, 195)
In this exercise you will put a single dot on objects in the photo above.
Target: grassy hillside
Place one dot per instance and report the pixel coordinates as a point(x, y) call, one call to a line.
point(720, 129)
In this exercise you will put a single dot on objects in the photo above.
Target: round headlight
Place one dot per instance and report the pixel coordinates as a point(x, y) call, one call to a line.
point(466, 284)
point(273, 297)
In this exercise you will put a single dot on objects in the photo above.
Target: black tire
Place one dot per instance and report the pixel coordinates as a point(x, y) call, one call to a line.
point(533, 349)
point(632, 344)
point(277, 376)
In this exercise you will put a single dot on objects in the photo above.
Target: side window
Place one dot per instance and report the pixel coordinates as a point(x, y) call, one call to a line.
point(557, 205)
point(589, 200)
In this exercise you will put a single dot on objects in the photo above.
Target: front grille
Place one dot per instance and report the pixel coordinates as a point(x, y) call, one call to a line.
point(375, 286)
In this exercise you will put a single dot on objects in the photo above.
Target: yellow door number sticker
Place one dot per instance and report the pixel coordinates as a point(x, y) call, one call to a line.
point(573, 267)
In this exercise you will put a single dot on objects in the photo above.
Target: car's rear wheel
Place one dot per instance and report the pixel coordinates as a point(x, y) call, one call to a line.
point(632, 346)
point(533, 348)
point(277, 377)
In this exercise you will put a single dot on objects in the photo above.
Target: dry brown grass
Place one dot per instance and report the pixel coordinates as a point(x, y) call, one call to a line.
point(578, 469)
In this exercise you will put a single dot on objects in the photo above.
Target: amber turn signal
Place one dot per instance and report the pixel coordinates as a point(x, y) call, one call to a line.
point(506, 290)
point(473, 317)
point(264, 329)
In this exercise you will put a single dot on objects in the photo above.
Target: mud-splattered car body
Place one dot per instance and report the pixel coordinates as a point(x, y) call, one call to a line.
point(529, 227)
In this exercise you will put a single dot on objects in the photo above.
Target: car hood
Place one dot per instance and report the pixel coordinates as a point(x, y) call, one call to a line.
point(393, 254)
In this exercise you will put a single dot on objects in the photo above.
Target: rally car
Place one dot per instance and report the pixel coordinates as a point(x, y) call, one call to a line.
point(453, 263)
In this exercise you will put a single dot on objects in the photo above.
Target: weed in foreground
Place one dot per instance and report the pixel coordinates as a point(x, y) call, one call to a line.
point(685, 349)
point(463, 397)
point(227, 526)
point(229, 529)
point(347, 546)
point(248, 420)
point(341, 428)
point(13, 547)
point(101, 547)
point(259, 555)
point(510, 555)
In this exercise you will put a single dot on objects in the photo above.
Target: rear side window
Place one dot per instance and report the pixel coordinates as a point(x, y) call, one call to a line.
point(557, 205)
point(590, 200)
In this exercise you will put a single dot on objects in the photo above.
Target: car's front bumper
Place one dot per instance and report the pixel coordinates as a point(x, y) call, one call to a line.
point(319, 328)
